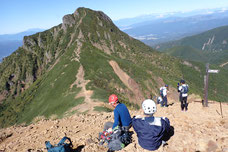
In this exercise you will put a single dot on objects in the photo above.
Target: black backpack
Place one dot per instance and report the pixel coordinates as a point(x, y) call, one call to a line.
point(185, 89)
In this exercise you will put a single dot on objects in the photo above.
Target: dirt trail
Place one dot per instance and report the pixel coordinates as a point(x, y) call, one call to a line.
point(199, 129)
point(81, 83)
point(222, 65)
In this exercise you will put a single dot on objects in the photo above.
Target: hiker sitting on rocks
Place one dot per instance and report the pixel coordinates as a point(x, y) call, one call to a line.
point(151, 131)
point(120, 135)
point(122, 116)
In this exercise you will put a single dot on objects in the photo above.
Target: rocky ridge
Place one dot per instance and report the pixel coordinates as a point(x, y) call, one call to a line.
point(199, 129)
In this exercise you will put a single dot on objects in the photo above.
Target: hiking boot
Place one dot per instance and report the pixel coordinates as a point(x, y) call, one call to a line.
point(164, 143)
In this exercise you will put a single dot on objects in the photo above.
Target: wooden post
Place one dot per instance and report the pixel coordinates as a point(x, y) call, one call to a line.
point(206, 77)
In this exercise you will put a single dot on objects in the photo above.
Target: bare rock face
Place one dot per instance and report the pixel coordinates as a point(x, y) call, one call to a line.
point(28, 43)
point(68, 20)
point(104, 16)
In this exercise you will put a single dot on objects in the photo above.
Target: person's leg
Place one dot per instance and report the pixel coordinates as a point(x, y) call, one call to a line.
point(165, 98)
point(108, 125)
point(180, 97)
point(185, 103)
point(168, 134)
point(182, 104)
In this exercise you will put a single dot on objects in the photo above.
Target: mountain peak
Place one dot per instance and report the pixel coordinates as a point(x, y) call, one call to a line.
point(81, 12)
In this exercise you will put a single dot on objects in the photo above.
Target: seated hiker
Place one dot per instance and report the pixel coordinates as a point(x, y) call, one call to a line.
point(159, 100)
point(117, 133)
point(151, 131)
point(122, 117)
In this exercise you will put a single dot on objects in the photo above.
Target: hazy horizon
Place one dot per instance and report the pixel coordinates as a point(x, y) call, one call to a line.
point(20, 15)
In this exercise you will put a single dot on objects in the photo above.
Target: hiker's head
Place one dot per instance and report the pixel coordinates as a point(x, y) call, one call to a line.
point(166, 86)
point(149, 107)
point(113, 100)
point(182, 81)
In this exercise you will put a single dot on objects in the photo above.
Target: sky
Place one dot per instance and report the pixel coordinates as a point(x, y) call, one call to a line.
point(20, 15)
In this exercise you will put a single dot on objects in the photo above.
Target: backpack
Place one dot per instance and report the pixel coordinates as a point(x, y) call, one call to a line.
point(116, 140)
point(60, 147)
point(185, 89)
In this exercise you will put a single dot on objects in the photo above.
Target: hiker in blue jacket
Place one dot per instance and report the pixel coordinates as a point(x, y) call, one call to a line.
point(119, 130)
point(122, 116)
point(151, 131)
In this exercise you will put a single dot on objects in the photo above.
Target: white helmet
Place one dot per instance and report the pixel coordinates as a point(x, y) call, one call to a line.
point(149, 107)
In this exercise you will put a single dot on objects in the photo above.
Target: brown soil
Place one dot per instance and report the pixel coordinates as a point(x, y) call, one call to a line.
point(199, 129)
point(128, 81)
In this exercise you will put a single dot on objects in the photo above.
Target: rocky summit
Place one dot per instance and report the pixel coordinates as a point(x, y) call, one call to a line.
point(199, 129)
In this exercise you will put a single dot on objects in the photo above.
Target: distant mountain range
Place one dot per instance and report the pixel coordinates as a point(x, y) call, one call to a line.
point(19, 36)
point(210, 46)
point(158, 28)
point(10, 42)
point(8, 46)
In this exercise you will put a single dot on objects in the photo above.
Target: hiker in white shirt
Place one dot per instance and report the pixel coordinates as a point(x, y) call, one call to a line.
point(183, 89)
point(163, 93)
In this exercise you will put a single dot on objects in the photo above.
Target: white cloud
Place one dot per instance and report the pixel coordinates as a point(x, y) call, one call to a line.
point(160, 16)
point(223, 10)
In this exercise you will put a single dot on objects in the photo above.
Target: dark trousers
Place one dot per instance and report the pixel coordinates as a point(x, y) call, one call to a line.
point(168, 134)
point(108, 125)
point(164, 101)
point(180, 97)
point(184, 104)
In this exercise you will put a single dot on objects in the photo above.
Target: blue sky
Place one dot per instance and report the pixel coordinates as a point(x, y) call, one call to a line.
point(20, 15)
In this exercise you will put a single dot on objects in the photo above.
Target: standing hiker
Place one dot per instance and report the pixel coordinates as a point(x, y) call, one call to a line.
point(183, 89)
point(151, 131)
point(163, 93)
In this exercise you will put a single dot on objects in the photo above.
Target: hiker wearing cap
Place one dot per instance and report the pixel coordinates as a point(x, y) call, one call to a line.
point(122, 116)
point(151, 131)
point(163, 93)
point(183, 89)
point(119, 130)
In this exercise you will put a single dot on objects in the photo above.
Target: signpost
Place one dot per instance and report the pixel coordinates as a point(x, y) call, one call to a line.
point(213, 71)
point(206, 77)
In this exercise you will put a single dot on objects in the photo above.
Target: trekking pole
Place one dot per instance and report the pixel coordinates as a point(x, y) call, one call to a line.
point(221, 109)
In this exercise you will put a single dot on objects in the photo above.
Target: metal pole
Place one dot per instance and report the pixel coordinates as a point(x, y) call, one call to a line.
point(206, 86)
point(221, 108)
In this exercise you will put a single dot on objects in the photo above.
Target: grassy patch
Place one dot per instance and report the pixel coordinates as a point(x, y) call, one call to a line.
point(102, 109)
